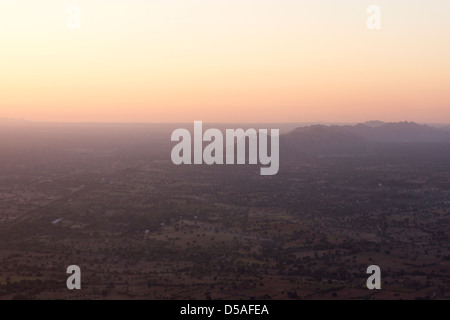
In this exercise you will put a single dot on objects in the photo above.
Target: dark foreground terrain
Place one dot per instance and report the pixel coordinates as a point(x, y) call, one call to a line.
point(140, 227)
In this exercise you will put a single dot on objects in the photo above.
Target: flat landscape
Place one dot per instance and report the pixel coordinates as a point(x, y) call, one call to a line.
point(109, 199)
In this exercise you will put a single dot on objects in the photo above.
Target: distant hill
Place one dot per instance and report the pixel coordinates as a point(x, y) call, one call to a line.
point(401, 132)
point(343, 139)
point(374, 123)
point(321, 139)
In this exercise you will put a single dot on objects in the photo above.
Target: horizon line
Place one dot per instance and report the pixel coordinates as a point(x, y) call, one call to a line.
point(21, 120)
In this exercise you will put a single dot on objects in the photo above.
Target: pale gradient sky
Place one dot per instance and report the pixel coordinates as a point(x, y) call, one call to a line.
point(225, 61)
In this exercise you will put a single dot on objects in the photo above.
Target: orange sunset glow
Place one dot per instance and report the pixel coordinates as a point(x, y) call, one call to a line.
point(225, 61)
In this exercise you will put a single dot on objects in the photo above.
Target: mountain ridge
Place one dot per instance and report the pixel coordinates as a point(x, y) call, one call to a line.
point(355, 138)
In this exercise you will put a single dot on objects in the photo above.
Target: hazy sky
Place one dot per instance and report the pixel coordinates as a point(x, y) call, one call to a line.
point(225, 60)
